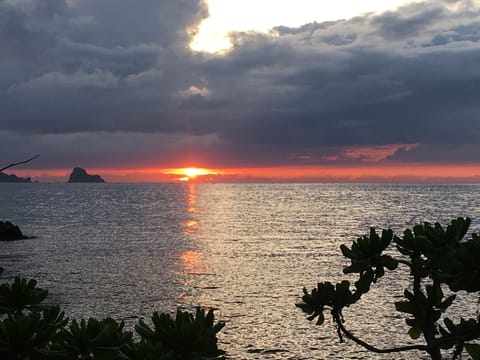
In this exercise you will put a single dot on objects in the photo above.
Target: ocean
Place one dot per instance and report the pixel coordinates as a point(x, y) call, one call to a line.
point(246, 250)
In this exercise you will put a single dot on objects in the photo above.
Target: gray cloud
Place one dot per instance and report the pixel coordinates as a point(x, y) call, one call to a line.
point(411, 22)
point(112, 73)
point(93, 65)
point(371, 89)
point(439, 153)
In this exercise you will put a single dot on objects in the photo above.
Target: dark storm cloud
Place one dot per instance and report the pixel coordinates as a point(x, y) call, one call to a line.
point(439, 153)
point(103, 149)
point(72, 66)
point(120, 78)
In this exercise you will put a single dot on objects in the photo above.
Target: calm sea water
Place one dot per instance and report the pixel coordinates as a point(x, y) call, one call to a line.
point(247, 250)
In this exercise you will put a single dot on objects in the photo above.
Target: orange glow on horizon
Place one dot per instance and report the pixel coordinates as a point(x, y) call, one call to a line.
point(387, 172)
point(417, 172)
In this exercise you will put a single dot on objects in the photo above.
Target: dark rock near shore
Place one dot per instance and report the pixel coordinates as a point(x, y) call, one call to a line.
point(80, 175)
point(5, 178)
point(10, 232)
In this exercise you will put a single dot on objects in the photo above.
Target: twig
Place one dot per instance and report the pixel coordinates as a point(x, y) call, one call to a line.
point(458, 350)
point(19, 163)
point(404, 262)
point(369, 347)
point(437, 343)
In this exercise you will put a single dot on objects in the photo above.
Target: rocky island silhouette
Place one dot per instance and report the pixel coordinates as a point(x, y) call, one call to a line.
point(80, 175)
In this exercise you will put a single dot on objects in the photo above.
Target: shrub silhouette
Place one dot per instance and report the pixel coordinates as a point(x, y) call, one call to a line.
point(30, 330)
point(22, 295)
point(186, 334)
point(435, 258)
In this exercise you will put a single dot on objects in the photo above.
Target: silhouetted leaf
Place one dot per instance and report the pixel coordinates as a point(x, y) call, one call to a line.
point(473, 350)
point(415, 332)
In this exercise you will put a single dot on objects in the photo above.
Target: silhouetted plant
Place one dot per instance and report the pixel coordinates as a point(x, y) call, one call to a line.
point(32, 335)
point(29, 330)
point(186, 336)
point(22, 295)
point(94, 339)
point(434, 258)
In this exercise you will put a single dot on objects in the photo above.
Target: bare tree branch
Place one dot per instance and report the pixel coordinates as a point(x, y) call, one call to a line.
point(19, 163)
point(436, 344)
point(338, 320)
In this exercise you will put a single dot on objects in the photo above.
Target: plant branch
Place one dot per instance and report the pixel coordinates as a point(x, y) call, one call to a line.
point(348, 334)
point(19, 163)
point(472, 335)
point(404, 262)
point(458, 351)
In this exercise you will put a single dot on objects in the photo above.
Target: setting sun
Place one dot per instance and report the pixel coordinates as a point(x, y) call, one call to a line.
point(194, 172)
point(190, 173)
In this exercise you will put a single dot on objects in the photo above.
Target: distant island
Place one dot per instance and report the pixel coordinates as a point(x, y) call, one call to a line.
point(5, 178)
point(80, 175)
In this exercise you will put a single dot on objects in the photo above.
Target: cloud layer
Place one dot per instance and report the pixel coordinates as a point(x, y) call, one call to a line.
point(108, 84)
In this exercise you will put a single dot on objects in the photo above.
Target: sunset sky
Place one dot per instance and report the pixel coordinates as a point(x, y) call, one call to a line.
point(264, 90)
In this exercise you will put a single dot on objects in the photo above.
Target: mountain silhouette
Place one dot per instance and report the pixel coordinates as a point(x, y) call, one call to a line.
point(80, 175)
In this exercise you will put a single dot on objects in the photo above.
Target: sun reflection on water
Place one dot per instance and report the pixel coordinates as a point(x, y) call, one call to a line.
point(193, 262)
point(190, 225)
point(192, 198)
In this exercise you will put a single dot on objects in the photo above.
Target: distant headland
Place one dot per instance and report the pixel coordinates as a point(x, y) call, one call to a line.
point(80, 175)
point(4, 178)
point(12, 178)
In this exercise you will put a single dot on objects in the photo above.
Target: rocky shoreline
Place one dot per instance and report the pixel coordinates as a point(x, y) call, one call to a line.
point(11, 232)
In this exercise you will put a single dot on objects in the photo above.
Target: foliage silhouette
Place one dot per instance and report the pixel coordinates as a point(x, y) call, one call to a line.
point(22, 295)
point(93, 339)
point(186, 334)
point(435, 258)
point(31, 335)
point(30, 330)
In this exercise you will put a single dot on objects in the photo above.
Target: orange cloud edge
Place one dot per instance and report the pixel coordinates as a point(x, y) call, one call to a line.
point(394, 173)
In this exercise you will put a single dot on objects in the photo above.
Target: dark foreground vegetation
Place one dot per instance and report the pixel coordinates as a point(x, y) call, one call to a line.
point(31, 330)
point(437, 260)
